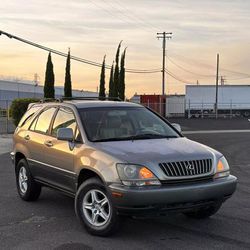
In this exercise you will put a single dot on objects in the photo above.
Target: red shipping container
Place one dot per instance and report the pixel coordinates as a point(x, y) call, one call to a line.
point(155, 102)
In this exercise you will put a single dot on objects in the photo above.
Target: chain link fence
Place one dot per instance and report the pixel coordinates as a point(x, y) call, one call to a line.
point(224, 110)
point(190, 110)
point(6, 123)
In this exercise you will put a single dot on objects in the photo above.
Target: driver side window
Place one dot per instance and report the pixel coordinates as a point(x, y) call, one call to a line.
point(64, 119)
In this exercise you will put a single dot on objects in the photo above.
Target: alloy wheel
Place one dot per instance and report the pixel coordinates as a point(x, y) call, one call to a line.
point(23, 180)
point(96, 207)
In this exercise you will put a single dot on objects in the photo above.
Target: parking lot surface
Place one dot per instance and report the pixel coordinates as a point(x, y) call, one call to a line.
point(50, 223)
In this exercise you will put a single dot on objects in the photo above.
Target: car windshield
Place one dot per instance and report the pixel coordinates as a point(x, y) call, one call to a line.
point(116, 124)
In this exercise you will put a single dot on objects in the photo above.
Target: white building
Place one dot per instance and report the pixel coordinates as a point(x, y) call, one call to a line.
point(10, 90)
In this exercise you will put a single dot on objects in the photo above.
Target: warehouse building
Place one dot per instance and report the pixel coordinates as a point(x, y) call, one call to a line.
point(10, 90)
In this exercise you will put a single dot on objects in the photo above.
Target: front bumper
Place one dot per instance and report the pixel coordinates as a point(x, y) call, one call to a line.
point(181, 196)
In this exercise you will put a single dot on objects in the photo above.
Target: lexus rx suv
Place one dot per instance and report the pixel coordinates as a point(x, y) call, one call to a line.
point(116, 158)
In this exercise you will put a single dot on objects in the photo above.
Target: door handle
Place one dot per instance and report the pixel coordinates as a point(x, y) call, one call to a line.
point(26, 137)
point(48, 143)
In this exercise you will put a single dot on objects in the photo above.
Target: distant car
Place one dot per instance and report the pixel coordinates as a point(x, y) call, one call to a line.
point(116, 158)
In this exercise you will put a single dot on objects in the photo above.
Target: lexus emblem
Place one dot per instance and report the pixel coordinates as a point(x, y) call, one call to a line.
point(189, 167)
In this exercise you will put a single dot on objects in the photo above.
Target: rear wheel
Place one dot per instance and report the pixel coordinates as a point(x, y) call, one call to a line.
point(94, 208)
point(204, 212)
point(27, 188)
point(247, 114)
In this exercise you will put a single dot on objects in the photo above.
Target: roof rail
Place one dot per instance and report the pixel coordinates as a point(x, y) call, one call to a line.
point(61, 99)
point(50, 100)
point(91, 98)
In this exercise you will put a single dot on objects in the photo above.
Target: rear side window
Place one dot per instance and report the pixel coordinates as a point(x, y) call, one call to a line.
point(64, 119)
point(42, 122)
point(28, 115)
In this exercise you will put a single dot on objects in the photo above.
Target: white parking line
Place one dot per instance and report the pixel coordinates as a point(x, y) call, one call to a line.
point(216, 131)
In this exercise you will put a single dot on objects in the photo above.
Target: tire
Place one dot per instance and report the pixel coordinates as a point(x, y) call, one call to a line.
point(27, 188)
point(238, 114)
point(246, 114)
point(204, 212)
point(93, 193)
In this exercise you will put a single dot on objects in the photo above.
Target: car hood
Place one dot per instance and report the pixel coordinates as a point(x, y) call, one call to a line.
point(157, 150)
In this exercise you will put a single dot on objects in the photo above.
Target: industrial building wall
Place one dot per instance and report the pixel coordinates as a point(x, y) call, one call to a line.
point(175, 106)
point(10, 90)
point(233, 101)
point(227, 95)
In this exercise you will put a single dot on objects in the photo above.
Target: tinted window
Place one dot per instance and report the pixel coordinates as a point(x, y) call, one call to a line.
point(28, 115)
point(103, 124)
point(64, 119)
point(42, 122)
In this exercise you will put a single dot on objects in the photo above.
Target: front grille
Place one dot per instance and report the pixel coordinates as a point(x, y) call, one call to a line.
point(186, 168)
point(187, 181)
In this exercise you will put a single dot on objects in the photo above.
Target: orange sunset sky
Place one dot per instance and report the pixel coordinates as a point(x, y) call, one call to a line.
point(94, 28)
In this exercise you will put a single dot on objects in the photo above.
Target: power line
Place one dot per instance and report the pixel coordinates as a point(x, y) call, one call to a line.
point(82, 60)
point(177, 78)
point(130, 14)
point(184, 69)
point(201, 64)
point(124, 18)
point(236, 72)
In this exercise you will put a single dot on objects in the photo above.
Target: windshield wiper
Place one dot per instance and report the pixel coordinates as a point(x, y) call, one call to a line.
point(137, 137)
point(151, 136)
point(112, 139)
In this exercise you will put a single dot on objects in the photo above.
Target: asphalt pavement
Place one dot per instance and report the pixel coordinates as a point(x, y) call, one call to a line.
point(212, 124)
point(50, 223)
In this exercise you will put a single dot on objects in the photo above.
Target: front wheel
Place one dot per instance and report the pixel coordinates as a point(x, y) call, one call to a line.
point(95, 209)
point(204, 212)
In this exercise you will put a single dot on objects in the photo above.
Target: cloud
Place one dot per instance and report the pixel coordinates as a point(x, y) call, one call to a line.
point(94, 28)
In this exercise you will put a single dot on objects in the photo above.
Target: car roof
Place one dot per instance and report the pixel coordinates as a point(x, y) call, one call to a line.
point(97, 103)
point(93, 103)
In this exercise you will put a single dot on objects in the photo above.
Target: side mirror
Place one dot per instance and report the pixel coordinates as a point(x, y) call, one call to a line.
point(176, 126)
point(65, 134)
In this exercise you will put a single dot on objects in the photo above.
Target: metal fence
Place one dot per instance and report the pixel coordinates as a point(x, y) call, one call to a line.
point(6, 123)
point(223, 110)
point(201, 110)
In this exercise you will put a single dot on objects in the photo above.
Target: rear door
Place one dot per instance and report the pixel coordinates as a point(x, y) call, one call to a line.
point(36, 136)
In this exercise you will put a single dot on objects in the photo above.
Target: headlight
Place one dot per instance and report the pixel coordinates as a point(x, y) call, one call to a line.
point(222, 168)
point(136, 175)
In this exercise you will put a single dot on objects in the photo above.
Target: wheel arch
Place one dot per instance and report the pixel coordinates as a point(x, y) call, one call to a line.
point(18, 156)
point(87, 173)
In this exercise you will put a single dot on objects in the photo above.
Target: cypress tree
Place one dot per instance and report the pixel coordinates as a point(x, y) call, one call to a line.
point(102, 94)
point(111, 82)
point(122, 77)
point(116, 74)
point(49, 90)
point(67, 83)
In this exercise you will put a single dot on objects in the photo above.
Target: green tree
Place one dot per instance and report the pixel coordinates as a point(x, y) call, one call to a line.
point(49, 90)
point(111, 82)
point(19, 107)
point(121, 90)
point(102, 94)
point(116, 74)
point(67, 83)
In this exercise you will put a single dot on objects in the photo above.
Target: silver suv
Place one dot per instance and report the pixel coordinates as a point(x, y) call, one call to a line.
point(116, 158)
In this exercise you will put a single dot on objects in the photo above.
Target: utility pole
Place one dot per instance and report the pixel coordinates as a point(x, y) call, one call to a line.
point(164, 36)
point(217, 84)
point(222, 80)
